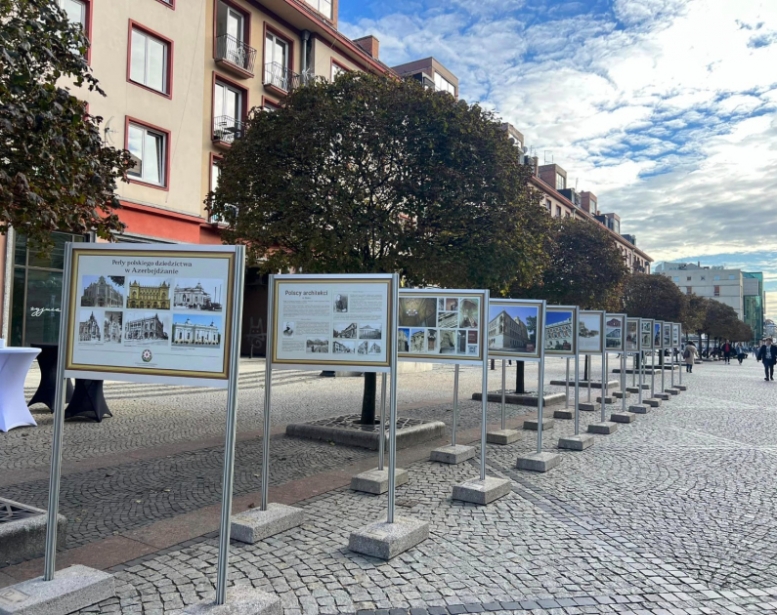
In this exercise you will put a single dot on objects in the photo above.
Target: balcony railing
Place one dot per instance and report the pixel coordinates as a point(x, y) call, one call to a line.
point(236, 53)
point(279, 76)
point(226, 129)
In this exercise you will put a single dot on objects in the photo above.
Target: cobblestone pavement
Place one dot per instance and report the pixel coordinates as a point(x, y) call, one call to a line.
point(673, 514)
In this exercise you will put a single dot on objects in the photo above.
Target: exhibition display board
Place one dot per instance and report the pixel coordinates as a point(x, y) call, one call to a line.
point(631, 342)
point(590, 332)
point(515, 329)
point(151, 313)
point(561, 324)
point(646, 326)
point(615, 332)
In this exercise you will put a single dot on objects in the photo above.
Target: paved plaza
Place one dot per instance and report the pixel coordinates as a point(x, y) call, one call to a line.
point(672, 514)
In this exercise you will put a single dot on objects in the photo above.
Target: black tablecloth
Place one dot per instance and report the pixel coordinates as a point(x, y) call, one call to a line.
point(47, 361)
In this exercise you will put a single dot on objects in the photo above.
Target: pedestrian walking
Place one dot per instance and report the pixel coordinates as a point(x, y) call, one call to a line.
point(767, 355)
point(740, 350)
point(727, 349)
point(689, 356)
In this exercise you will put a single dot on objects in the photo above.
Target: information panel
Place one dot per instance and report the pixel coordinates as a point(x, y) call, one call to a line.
point(561, 322)
point(631, 343)
point(666, 333)
point(675, 335)
point(332, 320)
point(658, 339)
point(614, 332)
point(515, 328)
point(151, 312)
point(443, 326)
point(591, 332)
point(647, 333)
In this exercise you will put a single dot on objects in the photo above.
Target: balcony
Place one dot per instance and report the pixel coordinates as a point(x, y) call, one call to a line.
point(279, 77)
point(226, 129)
point(235, 56)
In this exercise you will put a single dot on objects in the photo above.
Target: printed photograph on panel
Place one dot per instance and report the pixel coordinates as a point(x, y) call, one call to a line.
point(558, 331)
point(657, 335)
point(403, 339)
point(451, 305)
point(469, 313)
point(417, 312)
point(513, 328)
point(632, 335)
point(666, 329)
point(448, 320)
point(613, 332)
point(417, 341)
point(431, 340)
point(472, 349)
point(590, 334)
point(461, 342)
point(192, 294)
point(647, 334)
point(342, 347)
point(288, 329)
point(112, 327)
point(102, 291)
point(316, 346)
point(447, 341)
point(90, 329)
point(148, 293)
point(146, 328)
point(341, 303)
point(197, 331)
point(676, 336)
point(370, 331)
point(345, 330)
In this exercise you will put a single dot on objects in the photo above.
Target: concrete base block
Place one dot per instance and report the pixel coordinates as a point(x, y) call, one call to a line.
point(587, 406)
point(622, 394)
point(387, 540)
point(623, 417)
point(481, 492)
point(452, 455)
point(681, 387)
point(639, 408)
point(72, 589)
point(564, 414)
point(662, 396)
point(241, 600)
point(376, 481)
point(254, 525)
point(25, 538)
point(603, 429)
point(550, 399)
point(632, 390)
point(672, 392)
point(607, 400)
point(652, 402)
point(576, 443)
point(503, 436)
point(538, 462)
point(349, 433)
point(533, 424)
point(584, 384)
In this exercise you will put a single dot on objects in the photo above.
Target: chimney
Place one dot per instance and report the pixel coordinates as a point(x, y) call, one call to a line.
point(370, 44)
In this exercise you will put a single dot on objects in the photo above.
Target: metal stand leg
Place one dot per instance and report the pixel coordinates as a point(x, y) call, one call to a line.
point(382, 426)
point(641, 374)
point(604, 385)
point(566, 400)
point(577, 394)
point(623, 382)
point(590, 362)
point(504, 385)
point(540, 403)
point(652, 373)
point(456, 403)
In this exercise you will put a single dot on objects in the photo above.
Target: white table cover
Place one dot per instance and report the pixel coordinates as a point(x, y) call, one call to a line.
point(14, 365)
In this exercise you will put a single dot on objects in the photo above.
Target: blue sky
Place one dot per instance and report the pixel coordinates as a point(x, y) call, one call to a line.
point(665, 109)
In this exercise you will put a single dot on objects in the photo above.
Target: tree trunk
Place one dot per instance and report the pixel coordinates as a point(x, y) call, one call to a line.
point(586, 367)
point(368, 401)
point(520, 386)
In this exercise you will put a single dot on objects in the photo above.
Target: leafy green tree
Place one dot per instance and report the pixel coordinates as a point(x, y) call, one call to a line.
point(56, 174)
point(370, 174)
point(653, 296)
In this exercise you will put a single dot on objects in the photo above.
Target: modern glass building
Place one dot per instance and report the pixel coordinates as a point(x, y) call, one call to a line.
point(754, 300)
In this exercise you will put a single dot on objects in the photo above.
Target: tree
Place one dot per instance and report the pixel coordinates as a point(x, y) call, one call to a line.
point(369, 174)
point(720, 322)
point(655, 297)
point(56, 172)
point(695, 314)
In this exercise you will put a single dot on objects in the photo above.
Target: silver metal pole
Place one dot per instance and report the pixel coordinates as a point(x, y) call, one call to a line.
point(604, 385)
point(267, 396)
point(228, 478)
point(504, 386)
point(680, 371)
point(566, 401)
point(540, 402)
point(393, 403)
point(382, 427)
point(623, 381)
point(653, 372)
point(577, 394)
point(674, 357)
point(661, 365)
point(484, 419)
point(455, 403)
point(634, 369)
point(641, 370)
point(590, 361)
point(50, 563)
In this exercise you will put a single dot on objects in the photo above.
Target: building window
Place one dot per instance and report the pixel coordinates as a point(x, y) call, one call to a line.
point(148, 150)
point(441, 84)
point(337, 70)
point(170, 3)
point(716, 278)
point(688, 290)
point(228, 105)
point(702, 278)
point(558, 211)
point(276, 61)
point(230, 21)
point(716, 291)
point(676, 278)
point(150, 60)
point(732, 277)
point(269, 105)
point(75, 10)
point(549, 205)
point(561, 182)
point(688, 279)
point(215, 173)
point(322, 6)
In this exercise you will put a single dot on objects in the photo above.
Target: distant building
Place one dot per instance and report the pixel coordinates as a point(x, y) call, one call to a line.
point(101, 294)
point(89, 331)
point(145, 329)
point(718, 283)
point(195, 297)
point(149, 297)
point(507, 332)
point(190, 334)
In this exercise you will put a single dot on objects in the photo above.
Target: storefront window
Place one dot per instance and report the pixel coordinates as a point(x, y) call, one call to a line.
point(37, 291)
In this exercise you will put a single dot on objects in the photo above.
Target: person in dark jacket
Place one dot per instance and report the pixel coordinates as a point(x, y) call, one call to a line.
point(727, 350)
point(767, 354)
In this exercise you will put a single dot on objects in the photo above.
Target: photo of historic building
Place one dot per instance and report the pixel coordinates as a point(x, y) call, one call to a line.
point(99, 291)
point(448, 320)
point(417, 312)
point(343, 347)
point(370, 331)
point(403, 340)
point(590, 333)
point(448, 341)
point(317, 346)
point(613, 332)
point(112, 327)
point(345, 331)
point(431, 340)
point(558, 331)
point(196, 330)
point(469, 313)
point(417, 341)
point(632, 336)
point(149, 294)
point(88, 328)
point(146, 329)
point(202, 295)
point(507, 331)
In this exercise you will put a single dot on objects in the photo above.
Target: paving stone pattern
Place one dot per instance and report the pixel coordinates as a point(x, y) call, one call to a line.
point(672, 515)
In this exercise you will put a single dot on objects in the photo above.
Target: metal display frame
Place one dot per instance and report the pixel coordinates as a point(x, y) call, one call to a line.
point(234, 307)
point(651, 347)
point(600, 314)
point(573, 354)
point(622, 350)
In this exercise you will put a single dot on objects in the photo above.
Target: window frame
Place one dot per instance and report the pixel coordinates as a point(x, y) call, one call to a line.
point(170, 4)
point(246, 23)
point(243, 99)
point(290, 53)
point(165, 185)
point(332, 4)
point(266, 101)
point(87, 28)
point(339, 65)
point(716, 291)
point(169, 62)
